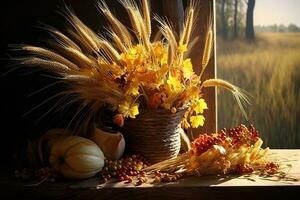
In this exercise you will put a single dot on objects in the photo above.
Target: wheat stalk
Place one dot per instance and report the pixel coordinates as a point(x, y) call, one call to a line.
point(84, 32)
point(147, 17)
point(189, 24)
point(84, 45)
point(62, 38)
point(240, 96)
point(120, 30)
point(207, 47)
point(110, 51)
point(48, 54)
point(118, 41)
point(144, 31)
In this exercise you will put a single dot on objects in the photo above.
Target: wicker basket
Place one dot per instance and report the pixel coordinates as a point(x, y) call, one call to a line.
point(154, 133)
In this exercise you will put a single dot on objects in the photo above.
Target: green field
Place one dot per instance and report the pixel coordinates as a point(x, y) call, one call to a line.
point(269, 69)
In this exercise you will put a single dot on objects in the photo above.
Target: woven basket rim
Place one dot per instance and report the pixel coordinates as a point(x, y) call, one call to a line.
point(162, 110)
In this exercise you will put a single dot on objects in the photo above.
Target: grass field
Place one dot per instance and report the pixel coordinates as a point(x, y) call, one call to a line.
point(269, 69)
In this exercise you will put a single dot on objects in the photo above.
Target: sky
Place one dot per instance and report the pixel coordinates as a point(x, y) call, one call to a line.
point(268, 12)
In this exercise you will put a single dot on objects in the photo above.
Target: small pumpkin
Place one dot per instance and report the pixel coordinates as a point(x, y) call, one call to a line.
point(76, 157)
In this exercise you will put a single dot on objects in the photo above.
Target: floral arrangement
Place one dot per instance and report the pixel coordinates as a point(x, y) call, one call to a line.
point(129, 70)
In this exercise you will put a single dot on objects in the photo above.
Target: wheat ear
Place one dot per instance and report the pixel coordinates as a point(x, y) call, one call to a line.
point(109, 50)
point(207, 47)
point(83, 31)
point(132, 11)
point(84, 45)
point(240, 95)
point(189, 24)
point(61, 38)
point(120, 30)
point(48, 54)
point(147, 16)
point(118, 43)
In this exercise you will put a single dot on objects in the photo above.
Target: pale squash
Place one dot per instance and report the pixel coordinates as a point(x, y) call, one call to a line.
point(111, 144)
point(76, 157)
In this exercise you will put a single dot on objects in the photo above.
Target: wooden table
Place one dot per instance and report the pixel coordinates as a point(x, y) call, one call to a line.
point(209, 187)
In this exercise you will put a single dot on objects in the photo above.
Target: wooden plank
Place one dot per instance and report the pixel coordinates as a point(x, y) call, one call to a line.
point(206, 9)
point(208, 187)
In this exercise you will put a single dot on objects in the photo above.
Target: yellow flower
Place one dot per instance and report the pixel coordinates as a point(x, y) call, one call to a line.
point(158, 50)
point(187, 68)
point(200, 106)
point(134, 90)
point(129, 110)
point(197, 121)
point(164, 59)
point(174, 84)
point(182, 48)
point(133, 57)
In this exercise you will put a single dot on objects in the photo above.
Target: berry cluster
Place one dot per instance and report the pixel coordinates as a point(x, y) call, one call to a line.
point(270, 168)
point(126, 169)
point(241, 135)
point(235, 137)
point(244, 169)
point(203, 143)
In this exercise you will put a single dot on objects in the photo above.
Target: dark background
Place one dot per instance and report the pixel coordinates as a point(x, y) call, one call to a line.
point(20, 23)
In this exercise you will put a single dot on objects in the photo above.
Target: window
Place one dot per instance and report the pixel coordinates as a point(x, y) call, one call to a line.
point(266, 64)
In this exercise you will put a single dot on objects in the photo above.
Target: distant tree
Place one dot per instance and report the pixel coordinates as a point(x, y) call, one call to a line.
point(250, 35)
point(235, 21)
point(293, 28)
point(224, 20)
point(274, 28)
point(281, 28)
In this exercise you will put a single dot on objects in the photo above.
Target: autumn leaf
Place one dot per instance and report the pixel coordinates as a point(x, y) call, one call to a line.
point(182, 48)
point(133, 90)
point(200, 106)
point(197, 120)
point(174, 84)
point(129, 110)
point(154, 101)
point(187, 68)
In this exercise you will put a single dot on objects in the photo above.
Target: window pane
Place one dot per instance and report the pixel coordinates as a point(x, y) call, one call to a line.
point(265, 63)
